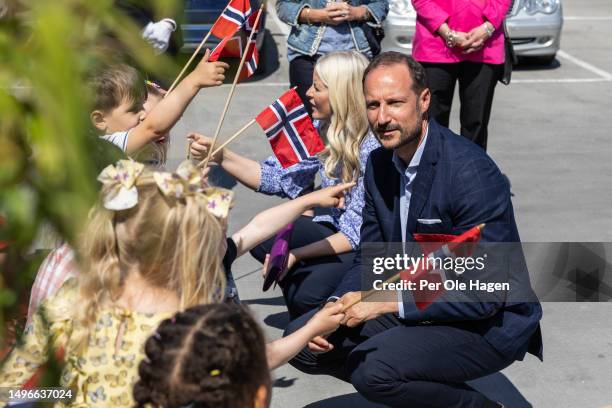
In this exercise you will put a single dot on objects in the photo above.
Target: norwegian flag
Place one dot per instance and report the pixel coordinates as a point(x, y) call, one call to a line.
point(234, 16)
point(439, 246)
point(229, 47)
point(290, 130)
point(232, 47)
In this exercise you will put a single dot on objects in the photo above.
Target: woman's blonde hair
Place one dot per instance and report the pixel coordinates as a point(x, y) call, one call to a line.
point(173, 243)
point(341, 73)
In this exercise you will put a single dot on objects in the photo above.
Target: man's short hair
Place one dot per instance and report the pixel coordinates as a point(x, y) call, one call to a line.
point(116, 84)
point(417, 72)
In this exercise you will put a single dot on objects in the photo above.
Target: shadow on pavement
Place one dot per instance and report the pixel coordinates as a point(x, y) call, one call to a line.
point(283, 382)
point(353, 400)
point(220, 178)
point(275, 301)
point(268, 59)
point(277, 320)
point(498, 387)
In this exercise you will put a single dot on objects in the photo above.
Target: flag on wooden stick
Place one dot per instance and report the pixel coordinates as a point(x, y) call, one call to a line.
point(289, 129)
point(233, 17)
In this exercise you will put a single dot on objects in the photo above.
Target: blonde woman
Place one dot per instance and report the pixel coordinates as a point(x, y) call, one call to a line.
point(153, 247)
point(322, 247)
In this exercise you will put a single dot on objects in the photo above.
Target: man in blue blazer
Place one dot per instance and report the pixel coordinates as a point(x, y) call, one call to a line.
point(425, 179)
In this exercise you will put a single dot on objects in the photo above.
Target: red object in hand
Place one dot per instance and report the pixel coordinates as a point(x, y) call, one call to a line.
point(450, 245)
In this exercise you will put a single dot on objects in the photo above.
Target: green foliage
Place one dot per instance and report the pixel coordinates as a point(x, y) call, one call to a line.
point(49, 158)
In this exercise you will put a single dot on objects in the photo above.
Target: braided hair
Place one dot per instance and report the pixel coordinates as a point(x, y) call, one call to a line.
point(207, 356)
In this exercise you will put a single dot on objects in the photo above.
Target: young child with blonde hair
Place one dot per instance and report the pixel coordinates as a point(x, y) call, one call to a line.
point(152, 247)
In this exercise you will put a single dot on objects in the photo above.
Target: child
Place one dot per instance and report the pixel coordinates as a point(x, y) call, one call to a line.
point(119, 114)
point(156, 152)
point(215, 356)
point(151, 249)
point(60, 264)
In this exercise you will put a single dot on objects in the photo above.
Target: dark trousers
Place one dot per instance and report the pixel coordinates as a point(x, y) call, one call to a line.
point(476, 87)
point(399, 365)
point(300, 75)
point(311, 282)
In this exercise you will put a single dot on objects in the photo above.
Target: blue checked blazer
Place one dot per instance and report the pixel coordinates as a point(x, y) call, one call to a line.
point(458, 183)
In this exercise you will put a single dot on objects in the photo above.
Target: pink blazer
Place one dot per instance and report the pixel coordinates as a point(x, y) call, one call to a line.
point(460, 15)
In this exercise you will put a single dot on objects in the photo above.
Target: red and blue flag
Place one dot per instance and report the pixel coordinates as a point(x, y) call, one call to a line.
point(234, 16)
point(232, 47)
point(289, 129)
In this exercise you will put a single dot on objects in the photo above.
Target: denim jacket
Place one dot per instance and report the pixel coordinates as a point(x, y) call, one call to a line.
point(305, 38)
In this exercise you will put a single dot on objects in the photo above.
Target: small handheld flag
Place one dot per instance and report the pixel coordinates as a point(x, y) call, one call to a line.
point(232, 18)
point(289, 129)
point(448, 244)
point(232, 47)
point(439, 245)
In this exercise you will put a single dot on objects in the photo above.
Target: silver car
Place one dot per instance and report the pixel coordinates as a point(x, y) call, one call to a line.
point(534, 26)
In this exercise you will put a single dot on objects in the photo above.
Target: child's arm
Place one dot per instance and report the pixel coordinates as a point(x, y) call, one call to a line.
point(243, 169)
point(269, 222)
point(27, 355)
point(169, 110)
point(323, 322)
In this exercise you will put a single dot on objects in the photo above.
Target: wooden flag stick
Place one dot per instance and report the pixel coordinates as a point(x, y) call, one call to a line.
point(394, 278)
point(180, 75)
point(197, 50)
point(231, 94)
point(228, 141)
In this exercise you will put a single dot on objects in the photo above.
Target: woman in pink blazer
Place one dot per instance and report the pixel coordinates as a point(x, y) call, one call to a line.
point(461, 40)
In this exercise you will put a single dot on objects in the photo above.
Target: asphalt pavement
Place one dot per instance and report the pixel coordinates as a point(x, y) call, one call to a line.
point(550, 133)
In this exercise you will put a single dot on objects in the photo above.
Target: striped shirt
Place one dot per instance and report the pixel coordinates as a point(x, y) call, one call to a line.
point(57, 267)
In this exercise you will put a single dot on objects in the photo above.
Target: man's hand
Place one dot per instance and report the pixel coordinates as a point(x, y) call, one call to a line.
point(209, 73)
point(364, 311)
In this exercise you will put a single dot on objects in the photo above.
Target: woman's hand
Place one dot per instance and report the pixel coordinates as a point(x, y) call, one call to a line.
point(292, 259)
point(199, 147)
point(453, 39)
point(334, 13)
point(477, 37)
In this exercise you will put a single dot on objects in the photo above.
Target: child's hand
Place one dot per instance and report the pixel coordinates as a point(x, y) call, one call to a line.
point(331, 196)
point(209, 73)
point(199, 148)
point(326, 320)
point(319, 345)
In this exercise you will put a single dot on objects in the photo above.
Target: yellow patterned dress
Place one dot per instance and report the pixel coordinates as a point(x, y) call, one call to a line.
point(103, 375)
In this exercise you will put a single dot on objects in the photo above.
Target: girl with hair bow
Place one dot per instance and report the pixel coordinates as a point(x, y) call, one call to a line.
point(153, 246)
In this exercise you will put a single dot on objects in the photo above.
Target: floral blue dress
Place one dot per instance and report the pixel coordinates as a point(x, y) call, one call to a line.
point(290, 182)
